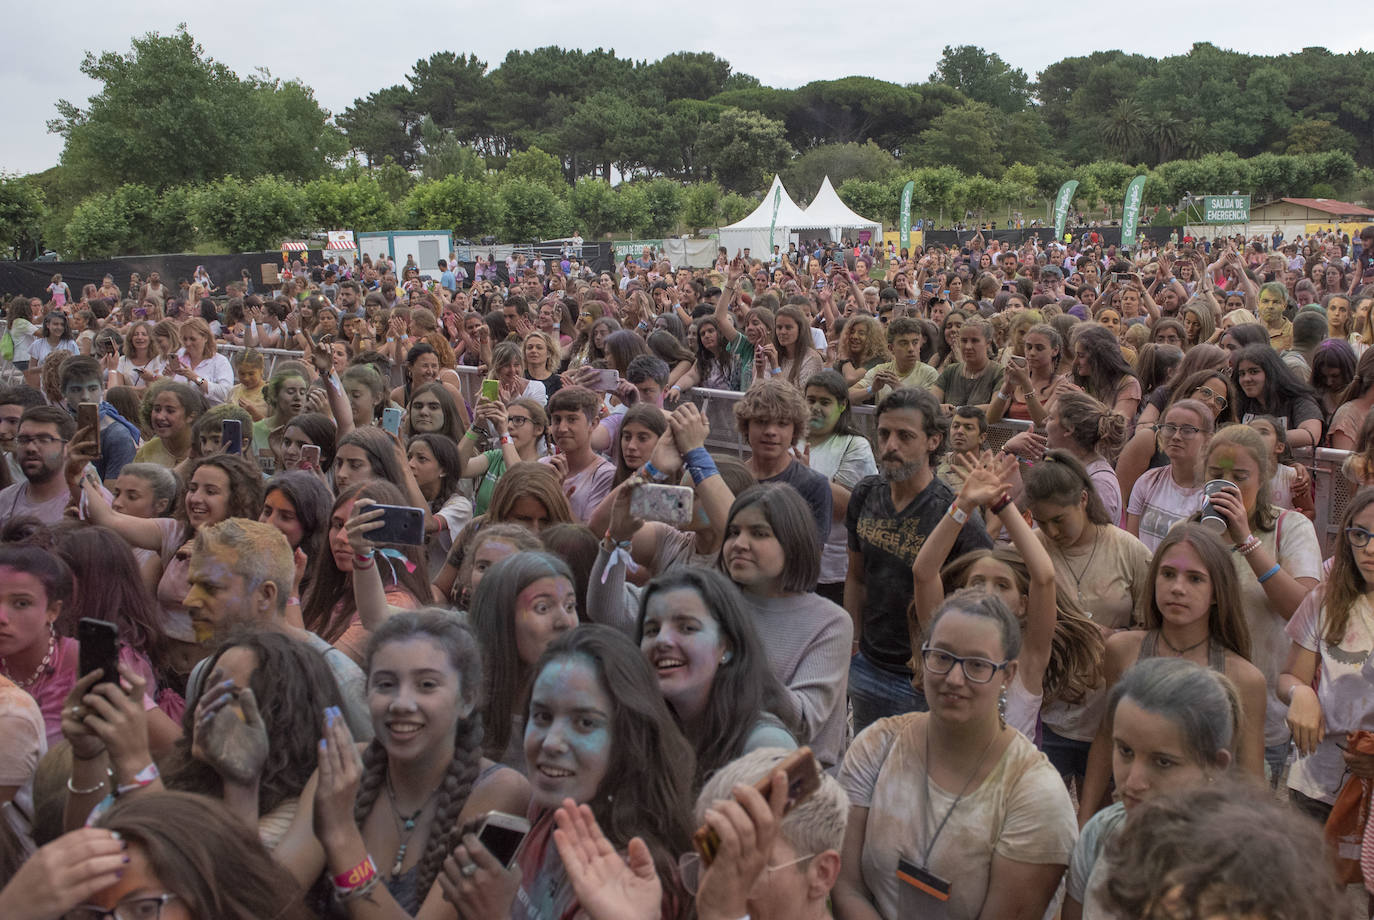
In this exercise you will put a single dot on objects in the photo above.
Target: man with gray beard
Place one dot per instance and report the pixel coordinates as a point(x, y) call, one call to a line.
point(889, 517)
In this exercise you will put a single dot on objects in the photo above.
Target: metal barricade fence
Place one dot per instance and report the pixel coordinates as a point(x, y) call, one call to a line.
point(1333, 490)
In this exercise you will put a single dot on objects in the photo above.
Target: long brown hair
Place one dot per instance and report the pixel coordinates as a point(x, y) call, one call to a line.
point(1226, 618)
point(330, 587)
point(533, 480)
point(448, 633)
point(1076, 650)
point(226, 874)
point(1345, 585)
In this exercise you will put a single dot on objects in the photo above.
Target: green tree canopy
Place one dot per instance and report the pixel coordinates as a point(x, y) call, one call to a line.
point(983, 77)
point(200, 119)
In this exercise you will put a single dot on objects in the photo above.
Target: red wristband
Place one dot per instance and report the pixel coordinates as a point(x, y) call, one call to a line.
point(356, 876)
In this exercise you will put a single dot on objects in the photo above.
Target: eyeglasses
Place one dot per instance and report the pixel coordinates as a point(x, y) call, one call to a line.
point(42, 440)
point(146, 908)
point(976, 670)
point(1358, 536)
point(515, 421)
point(1188, 431)
point(1209, 394)
point(691, 870)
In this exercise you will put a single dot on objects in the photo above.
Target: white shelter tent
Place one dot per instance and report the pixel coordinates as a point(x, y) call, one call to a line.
point(829, 213)
point(752, 231)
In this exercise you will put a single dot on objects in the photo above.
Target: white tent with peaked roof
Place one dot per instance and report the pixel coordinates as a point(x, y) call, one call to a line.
point(752, 231)
point(830, 213)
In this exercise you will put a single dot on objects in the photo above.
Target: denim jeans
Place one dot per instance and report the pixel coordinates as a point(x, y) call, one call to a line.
point(876, 693)
point(1067, 755)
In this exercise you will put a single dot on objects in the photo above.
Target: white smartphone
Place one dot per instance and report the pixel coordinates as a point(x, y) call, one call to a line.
point(502, 835)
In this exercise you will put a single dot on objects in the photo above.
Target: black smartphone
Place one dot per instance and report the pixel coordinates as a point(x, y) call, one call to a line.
point(502, 835)
point(99, 648)
point(231, 435)
point(88, 416)
point(401, 525)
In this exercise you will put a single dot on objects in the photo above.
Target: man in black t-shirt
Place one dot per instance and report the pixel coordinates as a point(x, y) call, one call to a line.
point(889, 517)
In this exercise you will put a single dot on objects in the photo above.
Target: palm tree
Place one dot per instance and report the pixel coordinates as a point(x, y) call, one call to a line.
point(1164, 131)
point(1124, 126)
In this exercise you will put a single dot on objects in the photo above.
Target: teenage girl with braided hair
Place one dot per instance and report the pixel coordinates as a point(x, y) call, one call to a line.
point(387, 820)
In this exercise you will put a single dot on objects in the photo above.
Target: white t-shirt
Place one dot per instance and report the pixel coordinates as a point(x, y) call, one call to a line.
point(1022, 811)
point(1295, 540)
point(1161, 503)
point(1345, 689)
point(843, 459)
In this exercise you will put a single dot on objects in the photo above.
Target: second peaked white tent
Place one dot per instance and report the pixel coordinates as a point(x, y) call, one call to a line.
point(827, 212)
point(753, 232)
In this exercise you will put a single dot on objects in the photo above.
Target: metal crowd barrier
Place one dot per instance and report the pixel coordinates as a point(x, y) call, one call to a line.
point(1334, 491)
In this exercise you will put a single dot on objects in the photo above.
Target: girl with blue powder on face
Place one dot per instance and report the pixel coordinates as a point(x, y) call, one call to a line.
point(598, 734)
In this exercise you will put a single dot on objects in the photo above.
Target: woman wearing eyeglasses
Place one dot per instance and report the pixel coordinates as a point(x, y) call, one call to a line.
point(1166, 495)
point(955, 792)
point(1332, 634)
point(1211, 387)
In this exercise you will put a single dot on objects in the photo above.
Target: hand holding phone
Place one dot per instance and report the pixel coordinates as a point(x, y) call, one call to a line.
point(88, 416)
point(98, 642)
point(803, 778)
point(231, 436)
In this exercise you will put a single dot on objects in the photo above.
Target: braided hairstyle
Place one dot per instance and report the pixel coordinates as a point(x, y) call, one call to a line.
point(458, 642)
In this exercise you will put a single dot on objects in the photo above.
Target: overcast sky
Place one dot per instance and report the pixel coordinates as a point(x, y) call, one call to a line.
point(346, 49)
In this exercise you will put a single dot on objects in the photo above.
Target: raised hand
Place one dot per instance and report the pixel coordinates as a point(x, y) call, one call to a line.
point(64, 874)
point(608, 886)
point(983, 484)
point(361, 522)
point(340, 771)
point(231, 739)
point(746, 825)
point(86, 744)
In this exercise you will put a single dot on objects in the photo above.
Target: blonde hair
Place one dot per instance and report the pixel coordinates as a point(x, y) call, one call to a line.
point(198, 325)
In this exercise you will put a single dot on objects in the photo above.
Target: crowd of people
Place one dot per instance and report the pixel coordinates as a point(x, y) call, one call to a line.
point(393, 559)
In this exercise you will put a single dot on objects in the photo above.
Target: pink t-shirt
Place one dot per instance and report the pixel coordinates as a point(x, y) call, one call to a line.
point(52, 688)
point(21, 725)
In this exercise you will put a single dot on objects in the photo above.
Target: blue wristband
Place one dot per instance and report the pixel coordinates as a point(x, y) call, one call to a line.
point(654, 472)
point(1269, 574)
point(700, 464)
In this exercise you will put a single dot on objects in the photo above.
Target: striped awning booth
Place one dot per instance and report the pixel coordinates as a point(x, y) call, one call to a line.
point(340, 246)
point(294, 246)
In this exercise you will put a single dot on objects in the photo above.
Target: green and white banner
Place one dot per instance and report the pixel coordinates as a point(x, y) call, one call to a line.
point(906, 214)
point(1130, 212)
point(1226, 209)
point(773, 224)
point(623, 248)
point(1062, 200)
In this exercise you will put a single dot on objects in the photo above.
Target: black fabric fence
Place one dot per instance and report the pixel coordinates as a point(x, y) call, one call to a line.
point(32, 278)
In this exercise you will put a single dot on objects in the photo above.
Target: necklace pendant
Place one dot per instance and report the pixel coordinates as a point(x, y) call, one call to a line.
point(410, 824)
point(400, 858)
